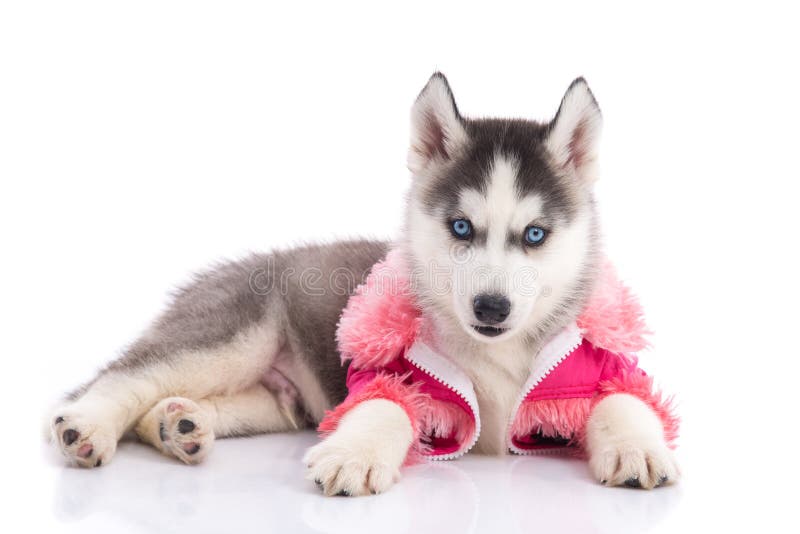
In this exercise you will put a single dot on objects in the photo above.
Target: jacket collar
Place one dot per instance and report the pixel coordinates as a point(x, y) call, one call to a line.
point(382, 320)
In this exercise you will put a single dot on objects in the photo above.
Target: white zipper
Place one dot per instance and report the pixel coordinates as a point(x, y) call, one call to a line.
point(550, 356)
point(446, 373)
point(436, 366)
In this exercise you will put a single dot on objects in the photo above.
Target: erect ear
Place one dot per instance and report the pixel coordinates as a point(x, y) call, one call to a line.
point(575, 131)
point(437, 129)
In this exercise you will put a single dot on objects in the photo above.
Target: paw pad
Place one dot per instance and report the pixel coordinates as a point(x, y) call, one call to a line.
point(86, 450)
point(191, 448)
point(174, 406)
point(70, 436)
point(185, 426)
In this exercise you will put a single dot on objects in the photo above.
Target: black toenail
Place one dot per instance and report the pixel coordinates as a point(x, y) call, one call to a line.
point(185, 426)
point(99, 462)
point(69, 436)
point(343, 493)
point(318, 482)
point(59, 419)
point(604, 481)
point(194, 449)
point(162, 433)
point(663, 480)
point(633, 482)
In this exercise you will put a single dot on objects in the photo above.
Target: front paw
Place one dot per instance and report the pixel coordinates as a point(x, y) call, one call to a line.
point(349, 469)
point(364, 454)
point(626, 445)
point(633, 465)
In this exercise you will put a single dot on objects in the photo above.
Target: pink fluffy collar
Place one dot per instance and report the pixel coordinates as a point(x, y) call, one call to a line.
point(381, 320)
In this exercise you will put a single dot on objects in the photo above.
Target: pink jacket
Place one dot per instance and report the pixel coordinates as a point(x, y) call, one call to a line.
point(381, 334)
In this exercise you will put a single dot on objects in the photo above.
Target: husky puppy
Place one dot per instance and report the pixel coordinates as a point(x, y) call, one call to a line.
point(249, 347)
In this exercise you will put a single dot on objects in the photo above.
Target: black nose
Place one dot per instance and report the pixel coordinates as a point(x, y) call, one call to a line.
point(491, 309)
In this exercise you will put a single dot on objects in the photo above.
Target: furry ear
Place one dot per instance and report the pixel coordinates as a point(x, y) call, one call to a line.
point(573, 134)
point(437, 129)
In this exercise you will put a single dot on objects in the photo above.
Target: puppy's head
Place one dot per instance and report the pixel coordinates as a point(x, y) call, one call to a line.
point(500, 227)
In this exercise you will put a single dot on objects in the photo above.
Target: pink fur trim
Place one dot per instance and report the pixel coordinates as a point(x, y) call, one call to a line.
point(391, 388)
point(381, 321)
point(640, 385)
point(555, 417)
point(613, 318)
point(442, 419)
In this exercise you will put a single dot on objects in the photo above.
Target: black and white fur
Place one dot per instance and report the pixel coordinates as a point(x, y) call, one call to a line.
point(249, 346)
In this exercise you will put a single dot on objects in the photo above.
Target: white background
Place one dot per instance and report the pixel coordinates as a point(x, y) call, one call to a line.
point(142, 141)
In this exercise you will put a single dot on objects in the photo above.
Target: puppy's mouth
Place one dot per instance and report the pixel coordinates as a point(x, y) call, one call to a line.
point(489, 331)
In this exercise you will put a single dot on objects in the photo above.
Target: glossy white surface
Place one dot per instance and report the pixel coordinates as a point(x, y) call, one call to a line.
point(256, 485)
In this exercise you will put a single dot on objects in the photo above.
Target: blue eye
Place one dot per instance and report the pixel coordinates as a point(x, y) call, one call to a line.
point(534, 235)
point(461, 228)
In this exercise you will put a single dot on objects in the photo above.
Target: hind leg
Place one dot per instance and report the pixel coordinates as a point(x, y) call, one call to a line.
point(87, 428)
point(187, 429)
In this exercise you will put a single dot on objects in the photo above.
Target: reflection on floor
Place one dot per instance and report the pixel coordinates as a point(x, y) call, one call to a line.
point(256, 485)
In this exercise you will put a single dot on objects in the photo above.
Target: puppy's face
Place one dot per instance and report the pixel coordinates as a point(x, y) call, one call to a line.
point(500, 223)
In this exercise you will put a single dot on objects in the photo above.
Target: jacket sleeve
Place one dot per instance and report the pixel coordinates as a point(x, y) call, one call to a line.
point(383, 383)
point(622, 374)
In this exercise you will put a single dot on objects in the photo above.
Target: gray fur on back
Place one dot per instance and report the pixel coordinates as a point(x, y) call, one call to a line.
point(302, 290)
point(313, 306)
